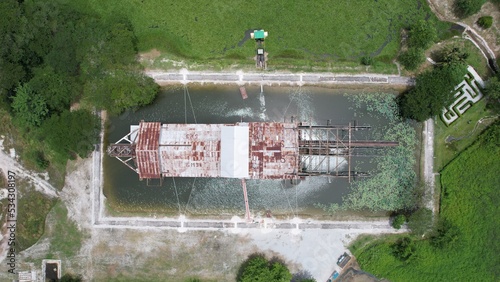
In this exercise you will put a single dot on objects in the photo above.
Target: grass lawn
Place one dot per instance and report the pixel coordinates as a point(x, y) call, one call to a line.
point(444, 152)
point(33, 207)
point(65, 237)
point(315, 31)
point(470, 203)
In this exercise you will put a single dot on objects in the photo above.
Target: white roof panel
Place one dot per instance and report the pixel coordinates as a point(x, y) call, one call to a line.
point(234, 151)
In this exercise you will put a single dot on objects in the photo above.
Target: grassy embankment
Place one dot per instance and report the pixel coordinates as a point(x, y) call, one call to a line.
point(305, 36)
point(469, 204)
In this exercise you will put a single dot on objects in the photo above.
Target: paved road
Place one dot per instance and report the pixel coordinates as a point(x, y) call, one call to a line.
point(184, 76)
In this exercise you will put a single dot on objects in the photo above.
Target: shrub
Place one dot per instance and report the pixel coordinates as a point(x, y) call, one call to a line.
point(38, 157)
point(403, 249)
point(258, 268)
point(420, 221)
point(422, 34)
point(398, 221)
point(366, 60)
point(485, 22)
point(412, 58)
point(444, 234)
point(465, 8)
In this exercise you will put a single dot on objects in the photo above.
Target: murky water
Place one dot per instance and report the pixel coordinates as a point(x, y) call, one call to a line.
point(223, 104)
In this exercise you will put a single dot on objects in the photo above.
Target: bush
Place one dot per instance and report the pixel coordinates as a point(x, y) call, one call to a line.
point(420, 221)
point(422, 34)
point(366, 60)
point(403, 249)
point(485, 22)
point(412, 58)
point(465, 8)
point(398, 221)
point(38, 157)
point(258, 268)
point(444, 234)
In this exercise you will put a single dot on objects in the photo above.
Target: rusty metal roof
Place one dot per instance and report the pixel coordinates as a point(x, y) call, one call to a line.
point(265, 151)
point(147, 161)
point(274, 150)
point(190, 150)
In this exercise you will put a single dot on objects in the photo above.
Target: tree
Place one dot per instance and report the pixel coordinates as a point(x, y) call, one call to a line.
point(398, 221)
point(452, 55)
point(420, 221)
point(422, 34)
point(258, 269)
point(403, 248)
point(12, 40)
point(492, 92)
point(58, 90)
point(485, 22)
point(445, 234)
point(465, 8)
point(121, 90)
point(366, 60)
point(432, 92)
point(29, 107)
point(412, 58)
point(72, 133)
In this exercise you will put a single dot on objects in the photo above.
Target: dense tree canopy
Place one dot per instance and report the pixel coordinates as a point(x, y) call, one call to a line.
point(30, 108)
point(52, 56)
point(412, 58)
point(492, 92)
point(67, 135)
point(422, 34)
point(465, 8)
point(258, 269)
point(432, 92)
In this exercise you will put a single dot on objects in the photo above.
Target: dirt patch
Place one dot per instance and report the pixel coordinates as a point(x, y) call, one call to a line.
point(151, 55)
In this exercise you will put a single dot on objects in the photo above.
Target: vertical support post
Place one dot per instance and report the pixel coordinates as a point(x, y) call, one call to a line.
point(328, 149)
point(349, 154)
point(337, 158)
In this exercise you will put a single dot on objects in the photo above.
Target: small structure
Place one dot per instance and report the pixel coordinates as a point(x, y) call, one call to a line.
point(259, 35)
point(51, 270)
point(260, 58)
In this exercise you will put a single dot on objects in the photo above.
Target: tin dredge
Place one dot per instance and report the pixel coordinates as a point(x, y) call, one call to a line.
point(244, 150)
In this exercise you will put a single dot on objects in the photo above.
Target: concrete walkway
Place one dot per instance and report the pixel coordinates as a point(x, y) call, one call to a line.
point(276, 78)
point(429, 175)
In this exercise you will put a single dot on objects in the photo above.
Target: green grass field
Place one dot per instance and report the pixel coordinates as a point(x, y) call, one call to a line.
point(470, 203)
point(33, 208)
point(317, 31)
point(466, 127)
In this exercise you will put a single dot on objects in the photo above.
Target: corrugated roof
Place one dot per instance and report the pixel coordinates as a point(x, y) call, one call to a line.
point(190, 150)
point(234, 151)
point(243, 150)
point(148, 164)
point(274, 150)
